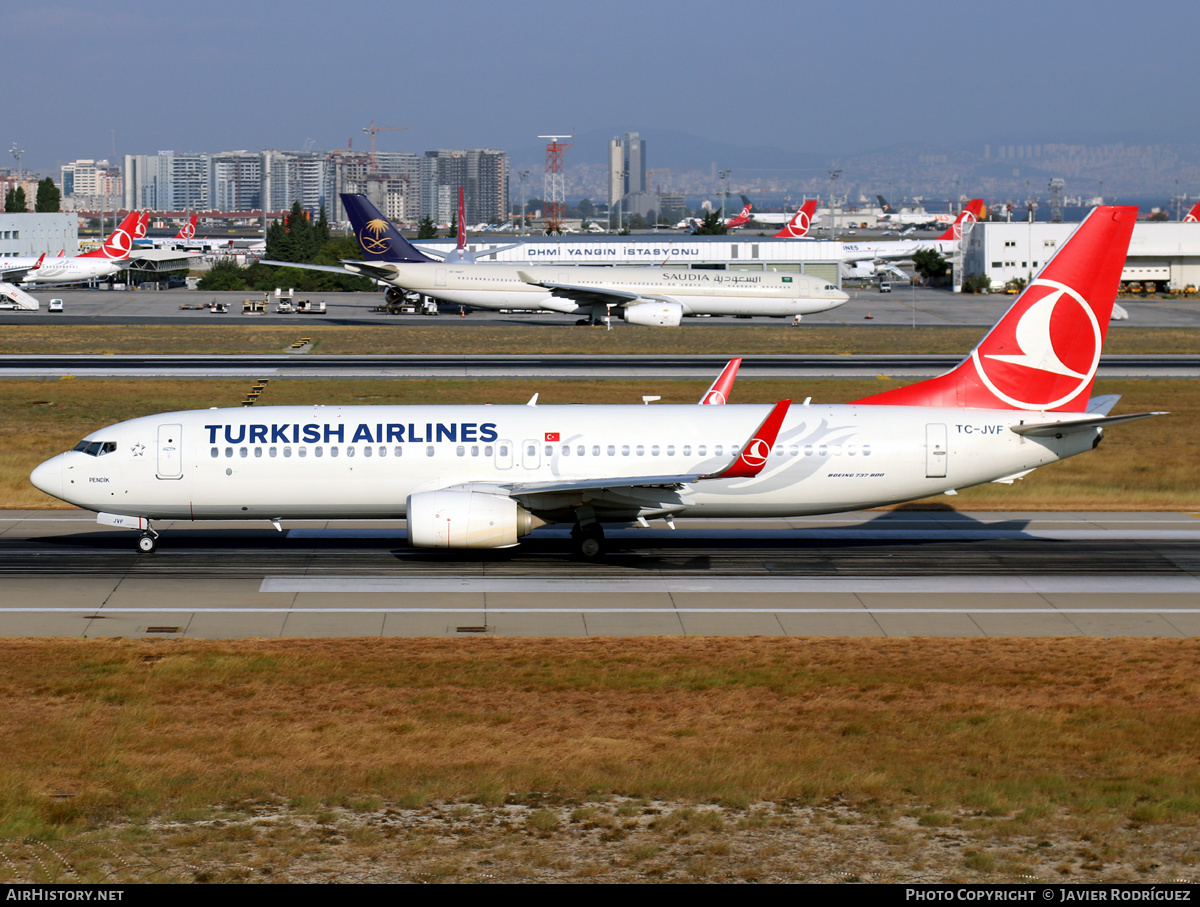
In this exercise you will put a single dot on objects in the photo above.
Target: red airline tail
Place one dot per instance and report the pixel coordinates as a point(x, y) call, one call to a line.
point(798, 227)
point(742, 218)
point(188, 230)
point(1193, 216)
point(1043, 354)
point(720, 389)
point(120, 243)
point(462, 217)
point(965, 221)
point(142, 224)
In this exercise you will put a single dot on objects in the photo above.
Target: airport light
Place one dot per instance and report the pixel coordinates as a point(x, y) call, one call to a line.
point(724, 177)
point(833, 175)
point(523, 175)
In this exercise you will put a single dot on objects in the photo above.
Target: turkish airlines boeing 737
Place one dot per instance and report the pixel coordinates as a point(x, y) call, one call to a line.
point(484, 476)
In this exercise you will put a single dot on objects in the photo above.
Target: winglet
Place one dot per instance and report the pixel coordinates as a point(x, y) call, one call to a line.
point(718, 392)
point(754, 453)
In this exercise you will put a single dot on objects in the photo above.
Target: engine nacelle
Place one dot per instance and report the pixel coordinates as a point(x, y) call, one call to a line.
point(394, 296)
point(654, 314)
point(465, 519)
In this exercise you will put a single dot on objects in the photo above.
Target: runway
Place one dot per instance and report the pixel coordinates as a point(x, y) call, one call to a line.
point(897, 573)
point(538, 366)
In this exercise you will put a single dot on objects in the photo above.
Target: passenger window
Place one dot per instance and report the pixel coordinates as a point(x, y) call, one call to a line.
point(670, 450)
point(350, 451)
point(717, 451)
point(228, 451)
point(866, 450)
point(612, 450)
point(487, 451)
point(397, 451)
point(852, 449)
point(302, 452)
point(429, 451)
point(566, 450)
point(641, 451)
point(654, 451)
point(808, 450)
point(333, 451)
point(580, 451)
point(687, 450)
point(531, 451)
point(273, 451)
point(368, 452)
point(242, 452)
point(549, 450)
point(474, 450)
point(287, 452)
point(595, 450)
point(258, 452)
point(382, 451)
point(823, 450)
point(216, 452)
point(700, 451)
point(318, 451)
point(624, 450)
point(460, 451)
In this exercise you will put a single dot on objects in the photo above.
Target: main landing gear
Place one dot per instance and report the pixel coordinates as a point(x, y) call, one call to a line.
point(587, 541)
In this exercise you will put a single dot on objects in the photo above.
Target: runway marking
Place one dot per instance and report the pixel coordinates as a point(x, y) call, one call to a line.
point(1130, 584)
point(94, 612)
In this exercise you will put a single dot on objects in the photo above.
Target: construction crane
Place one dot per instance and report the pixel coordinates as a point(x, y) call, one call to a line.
point(371, 130)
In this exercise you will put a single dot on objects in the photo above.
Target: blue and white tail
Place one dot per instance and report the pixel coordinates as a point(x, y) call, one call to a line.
point(376, 236)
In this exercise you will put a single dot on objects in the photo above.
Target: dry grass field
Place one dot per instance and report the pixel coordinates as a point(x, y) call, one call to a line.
point(448, 336)
point(602, 759)
point(1150, 465)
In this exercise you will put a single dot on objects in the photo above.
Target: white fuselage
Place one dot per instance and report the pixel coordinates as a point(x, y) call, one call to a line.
point(62, 270)
point(356, 462)
point(896, 250)
point(699, 292)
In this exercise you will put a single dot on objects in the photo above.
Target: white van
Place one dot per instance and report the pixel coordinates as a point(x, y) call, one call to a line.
point(56, 305)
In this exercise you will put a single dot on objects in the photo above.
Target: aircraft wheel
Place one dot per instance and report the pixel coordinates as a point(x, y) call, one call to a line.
point(588, 541)
point(147, 544)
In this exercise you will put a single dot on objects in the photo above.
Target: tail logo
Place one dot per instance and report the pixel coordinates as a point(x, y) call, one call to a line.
point(119, 244)
point(377, 243)
point(188, 231)
point(1191, 219)
point(756, 453)
point(1053, 309)
point(715, 397)
point(965, 225)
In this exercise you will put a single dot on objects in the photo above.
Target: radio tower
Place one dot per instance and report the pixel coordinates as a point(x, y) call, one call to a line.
point(554, 185)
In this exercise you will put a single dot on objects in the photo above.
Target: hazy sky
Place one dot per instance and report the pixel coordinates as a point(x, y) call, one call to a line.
point(90, 79)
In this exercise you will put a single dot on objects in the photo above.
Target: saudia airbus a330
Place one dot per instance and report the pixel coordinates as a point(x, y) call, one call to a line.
point(484, 476)
point(657, 297)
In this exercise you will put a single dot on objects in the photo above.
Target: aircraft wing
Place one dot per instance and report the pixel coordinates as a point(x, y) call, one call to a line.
point(747, 463)
point(373, 270)
point(15, 273)
point(588, 295)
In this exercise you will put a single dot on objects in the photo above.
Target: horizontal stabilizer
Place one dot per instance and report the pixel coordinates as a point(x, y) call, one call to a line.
point(1058, 429)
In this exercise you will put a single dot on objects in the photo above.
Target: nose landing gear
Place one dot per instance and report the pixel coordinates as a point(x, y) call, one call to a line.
point(148, 541)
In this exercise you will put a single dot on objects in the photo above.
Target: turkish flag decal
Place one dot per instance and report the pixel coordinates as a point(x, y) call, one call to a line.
point(551, 436)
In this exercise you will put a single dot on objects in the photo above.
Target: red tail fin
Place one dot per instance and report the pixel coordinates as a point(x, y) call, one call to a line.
point(462, 217)
point(965, 221)
point(742, 218)
point(1043, 354)
point(188, 230)
point(720, 389)
point(1193, 216)
point(142, 224)
point(120, 243)
point(799, 225)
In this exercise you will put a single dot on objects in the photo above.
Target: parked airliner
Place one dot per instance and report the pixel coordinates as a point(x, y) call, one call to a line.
point(484, 476)
point(657, 297)
point(112, 256)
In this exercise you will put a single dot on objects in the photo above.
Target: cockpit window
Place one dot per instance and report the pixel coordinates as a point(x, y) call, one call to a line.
point(95, 448)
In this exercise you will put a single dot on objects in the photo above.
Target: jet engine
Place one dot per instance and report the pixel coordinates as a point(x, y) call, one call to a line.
point(466, 519)
point(394, 296)
point(654, 314)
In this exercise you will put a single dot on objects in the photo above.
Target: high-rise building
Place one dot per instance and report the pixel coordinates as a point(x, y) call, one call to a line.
point(626, 167)
point(237, 176)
